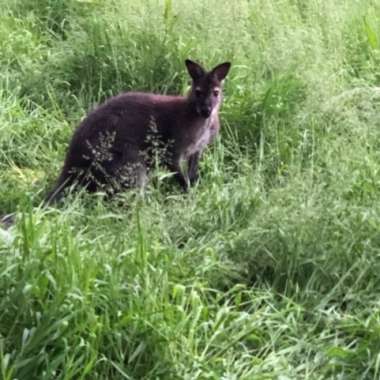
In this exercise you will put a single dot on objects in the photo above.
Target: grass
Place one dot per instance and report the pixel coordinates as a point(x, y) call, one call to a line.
point(268, 269)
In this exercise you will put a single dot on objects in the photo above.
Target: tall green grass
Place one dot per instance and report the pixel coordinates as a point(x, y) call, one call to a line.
point(269, 267)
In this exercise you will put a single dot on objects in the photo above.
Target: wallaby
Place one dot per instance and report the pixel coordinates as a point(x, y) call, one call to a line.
point(115, 144)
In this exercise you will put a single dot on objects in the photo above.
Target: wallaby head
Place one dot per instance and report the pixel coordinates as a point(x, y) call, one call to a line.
point(206, 89)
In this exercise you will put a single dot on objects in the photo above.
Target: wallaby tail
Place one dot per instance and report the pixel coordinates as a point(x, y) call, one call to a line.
point(57, 193)
point(8, 220)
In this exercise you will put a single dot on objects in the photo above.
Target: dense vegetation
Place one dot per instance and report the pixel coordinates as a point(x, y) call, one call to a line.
point(269, 268)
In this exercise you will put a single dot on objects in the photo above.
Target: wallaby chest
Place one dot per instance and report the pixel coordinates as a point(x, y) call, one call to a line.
point(199, 136)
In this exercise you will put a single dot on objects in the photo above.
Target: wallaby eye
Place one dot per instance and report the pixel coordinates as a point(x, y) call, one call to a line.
point(215, 93)
point(198, 92)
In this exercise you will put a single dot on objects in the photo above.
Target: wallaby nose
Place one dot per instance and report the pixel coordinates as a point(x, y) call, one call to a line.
point(206, 111)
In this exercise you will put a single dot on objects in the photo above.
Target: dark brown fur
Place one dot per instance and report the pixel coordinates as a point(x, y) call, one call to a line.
point(115, 144)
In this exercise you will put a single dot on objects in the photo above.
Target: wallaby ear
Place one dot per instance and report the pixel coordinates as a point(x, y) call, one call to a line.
point(195, 70)
point(221, 70)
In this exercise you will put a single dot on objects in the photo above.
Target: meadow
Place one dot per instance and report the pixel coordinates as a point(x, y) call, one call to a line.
point(269, 268)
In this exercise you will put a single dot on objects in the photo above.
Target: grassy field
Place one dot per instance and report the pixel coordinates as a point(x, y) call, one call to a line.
point(269, 268)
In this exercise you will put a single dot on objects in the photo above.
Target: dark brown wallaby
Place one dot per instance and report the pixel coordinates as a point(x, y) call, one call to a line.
point(115, 144)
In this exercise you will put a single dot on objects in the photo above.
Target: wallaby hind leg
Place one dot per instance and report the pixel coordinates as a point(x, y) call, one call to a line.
point(127, 169)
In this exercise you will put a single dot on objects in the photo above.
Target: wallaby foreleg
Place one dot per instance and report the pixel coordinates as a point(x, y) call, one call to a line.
point(193, 167)
point(175, 167)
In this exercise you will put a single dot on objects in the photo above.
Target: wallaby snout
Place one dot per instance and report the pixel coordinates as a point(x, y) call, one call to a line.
point(205, 111)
